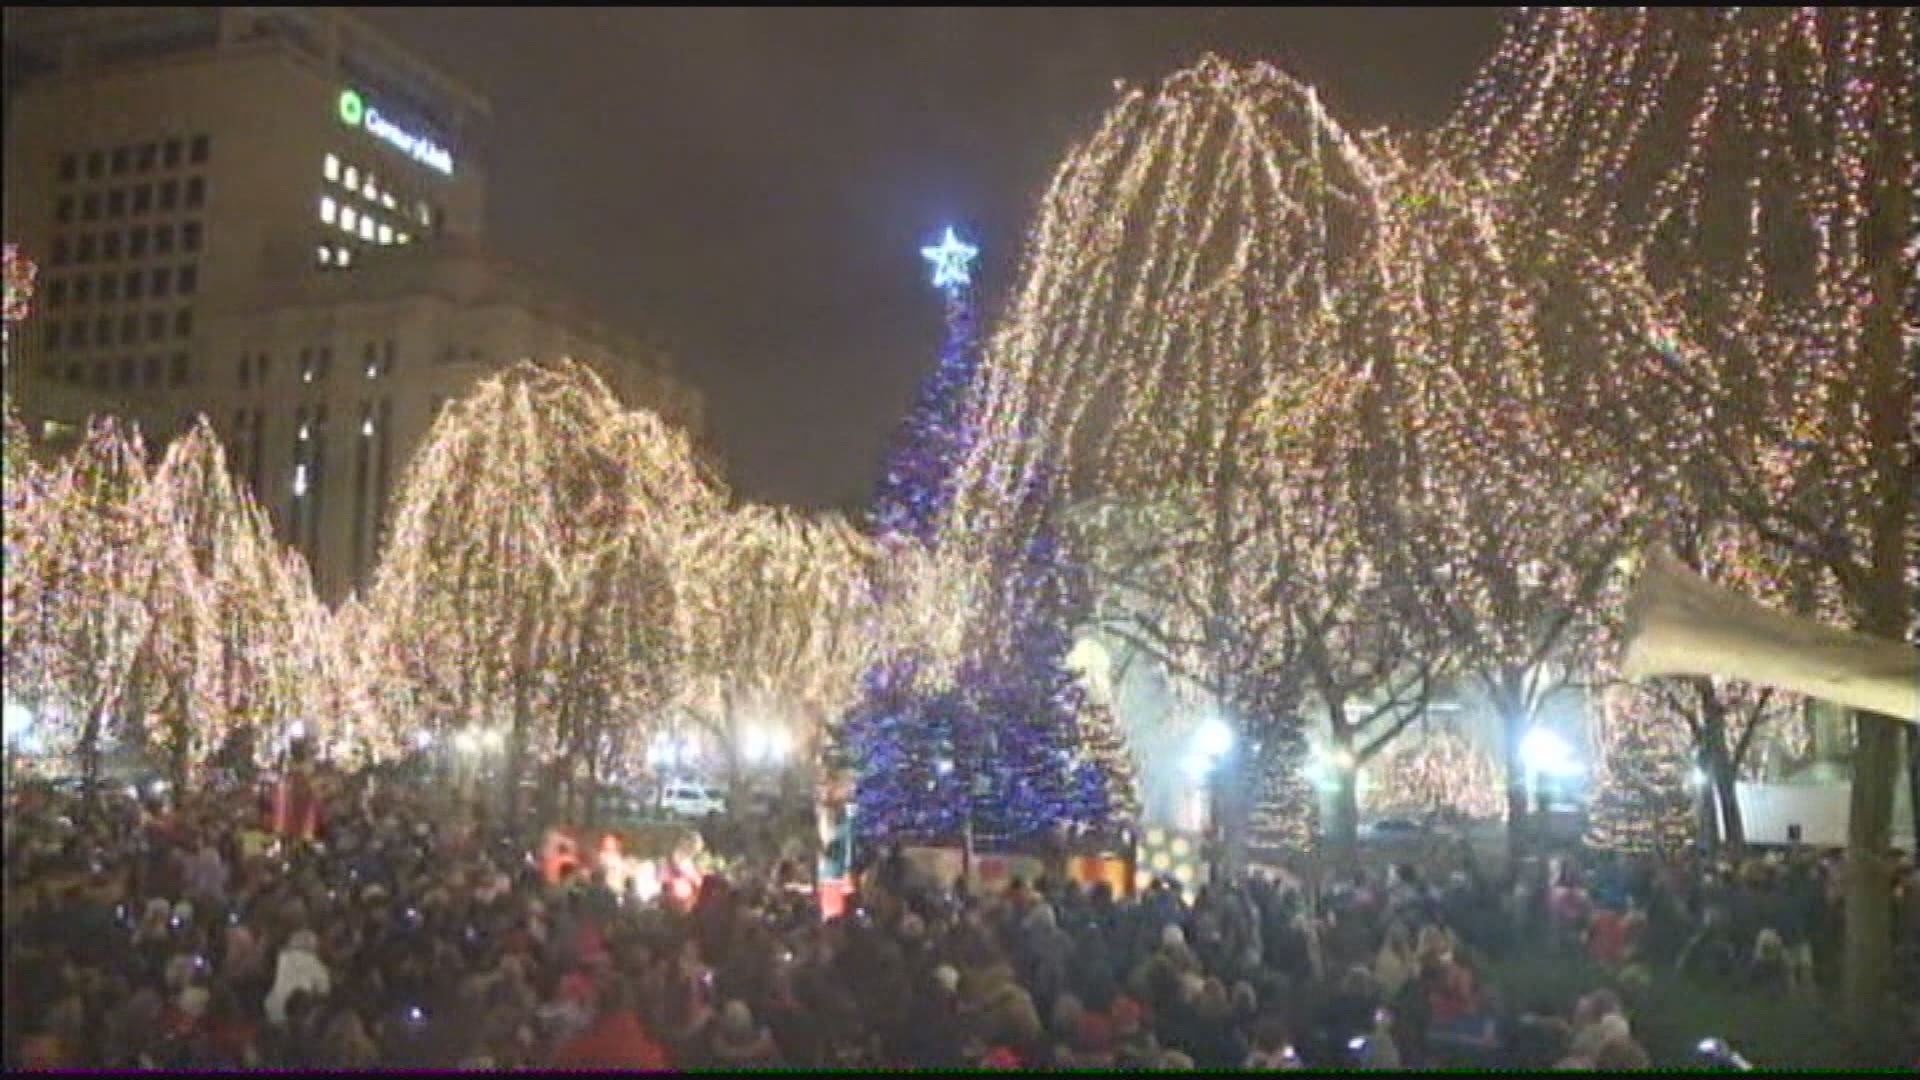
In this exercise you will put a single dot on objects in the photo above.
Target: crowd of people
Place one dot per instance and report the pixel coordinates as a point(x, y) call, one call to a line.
point(193, 935)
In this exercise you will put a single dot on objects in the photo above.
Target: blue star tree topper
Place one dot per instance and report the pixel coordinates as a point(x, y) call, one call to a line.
point(952, 259)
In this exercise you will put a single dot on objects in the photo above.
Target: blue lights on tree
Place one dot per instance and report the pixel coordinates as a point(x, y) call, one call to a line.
point(938, 433)
point(999, 752)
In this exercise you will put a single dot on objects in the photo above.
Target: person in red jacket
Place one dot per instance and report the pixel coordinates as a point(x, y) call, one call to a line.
point(615, 1040)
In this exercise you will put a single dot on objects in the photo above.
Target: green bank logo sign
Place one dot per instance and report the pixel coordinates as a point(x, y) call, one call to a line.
point(356, 113)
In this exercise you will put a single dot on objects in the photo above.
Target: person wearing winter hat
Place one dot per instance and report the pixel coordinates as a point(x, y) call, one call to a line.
point(298, 968)
point(616, 1039)
point(739, 1043)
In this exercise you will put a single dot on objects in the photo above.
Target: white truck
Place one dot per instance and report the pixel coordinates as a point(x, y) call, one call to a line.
point(1811, 814)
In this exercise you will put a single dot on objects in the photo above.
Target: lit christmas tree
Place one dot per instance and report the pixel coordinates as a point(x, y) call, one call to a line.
point(937, 434)
point(996, 753)
point(1105, 781)
point(1644, 803)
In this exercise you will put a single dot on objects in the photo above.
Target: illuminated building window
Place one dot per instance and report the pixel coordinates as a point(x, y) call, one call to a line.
point(386, 233)
point(330, 167)
point(328, 209)
point(323, 254)
point(299, 481)
point(426, 215)
point(403, 238)
point(371, 189)
point(344, 258)
point(366, 227)
point(387, 200)
point(349, 217)
point(352, 177)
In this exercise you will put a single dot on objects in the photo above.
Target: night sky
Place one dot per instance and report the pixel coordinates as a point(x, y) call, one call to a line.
point(754, 184)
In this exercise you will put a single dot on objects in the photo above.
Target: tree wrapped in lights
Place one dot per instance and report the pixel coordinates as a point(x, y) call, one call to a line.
point(80, 582)
point(1180, 255)
point(1105, 781)
point(1645, 803)
point(502, 537)
point(1761, 164)
point(1509, 525)
point(238, 637)
point(1436, 774)
point(775, 607)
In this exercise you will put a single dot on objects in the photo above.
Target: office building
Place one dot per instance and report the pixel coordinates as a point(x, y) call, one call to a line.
point(276, 217)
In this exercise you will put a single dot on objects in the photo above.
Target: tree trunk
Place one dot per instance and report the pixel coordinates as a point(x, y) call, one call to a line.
point(1733, 828)
point(1913, 781)
point(90, 759)
point(1869, 944)
point(517, 746)
point(1884, 594)
point(1513, 721)
point(1343, 827)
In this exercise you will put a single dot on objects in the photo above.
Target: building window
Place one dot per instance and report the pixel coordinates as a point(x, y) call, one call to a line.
point(56, 292)
point(142, 198)
point(101, 374)
point(77, 333)
point(52, 337)
point(170, 154)
point(156, 325)
point(169, 194)
point(103, 330)
point(387, 354)
point(109, 288)
point(117, 203)
point(83, 289)
point(58, 256)
point(246, 372)
point(306, 369)
point(197, 153)
point(330, 167)
point(135, 284)
point(187, 280)
point(163, 239)
point(63, 210)
point(323, 254)
point(190, 236)
point(183, 323)
point(136, 242)
point(151, 376)
point(366, 227)
point(349, 217)
point(84, 252)
point(96, 164)
point(129, 329)
point(126, 371)
point(343, 257)
point(371, 360)
point(110, 245)
point(90, 206)
point(122, 160)
point(149, 153)
point(162, 282)
point(177, 369)
point(329, 210)
point(196, 191)
point(69, 168)
point(351, 178)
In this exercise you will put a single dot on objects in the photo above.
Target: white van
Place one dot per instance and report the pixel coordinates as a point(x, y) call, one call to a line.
point(692, 799)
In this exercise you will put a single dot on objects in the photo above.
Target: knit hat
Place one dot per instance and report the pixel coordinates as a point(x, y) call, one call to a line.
point(1126, 1015)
